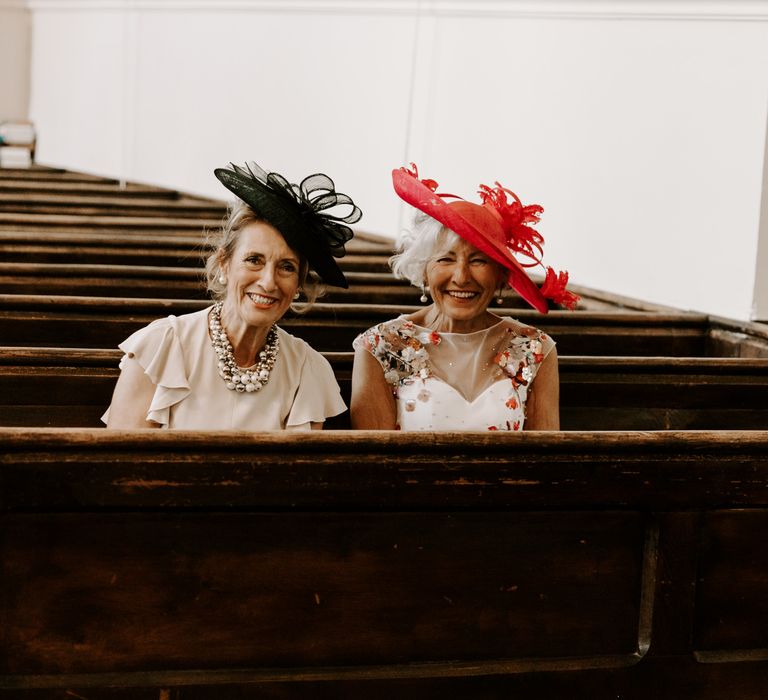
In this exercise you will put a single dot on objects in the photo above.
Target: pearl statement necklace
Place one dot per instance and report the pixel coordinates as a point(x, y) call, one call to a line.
point(237, 379)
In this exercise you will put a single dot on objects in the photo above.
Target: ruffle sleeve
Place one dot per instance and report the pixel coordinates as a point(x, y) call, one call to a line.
point(318, 396)
point(157, 348)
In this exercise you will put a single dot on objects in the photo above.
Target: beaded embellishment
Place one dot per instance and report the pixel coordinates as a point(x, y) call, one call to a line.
point(237, 379)
point(400, 348)
point(519, 358)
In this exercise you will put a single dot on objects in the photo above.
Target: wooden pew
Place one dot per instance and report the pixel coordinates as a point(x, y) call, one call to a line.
point(162, 232)
point(165, 282)
point(162, 282)
point(108, 204)
point(363, 626)
point(119, 225)
point(138, 247)
point(186, 282)
point(102, 249)
point(89, 254)
point(194, 565)
point(88, 187)
point(103, 322)
point(46, 173)
point(56, 387)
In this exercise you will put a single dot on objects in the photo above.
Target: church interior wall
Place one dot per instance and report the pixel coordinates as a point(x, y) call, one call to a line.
point(15, 33)
point(639, 126)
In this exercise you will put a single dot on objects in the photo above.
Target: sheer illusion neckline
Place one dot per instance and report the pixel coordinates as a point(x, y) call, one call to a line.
point(464, 361)
point(471, 335)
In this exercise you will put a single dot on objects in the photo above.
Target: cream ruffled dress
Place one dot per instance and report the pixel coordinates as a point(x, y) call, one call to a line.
point(178, 357)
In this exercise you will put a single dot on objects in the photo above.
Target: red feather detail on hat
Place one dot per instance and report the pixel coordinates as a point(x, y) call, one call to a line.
point(554, 289)
point(413, 171)
point(515, 218)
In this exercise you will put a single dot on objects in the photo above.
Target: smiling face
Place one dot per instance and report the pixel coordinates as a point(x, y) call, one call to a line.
point(462, 281)
point(262, 278)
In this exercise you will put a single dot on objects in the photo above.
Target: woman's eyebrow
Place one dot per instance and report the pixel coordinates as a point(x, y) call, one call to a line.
point(250, 253)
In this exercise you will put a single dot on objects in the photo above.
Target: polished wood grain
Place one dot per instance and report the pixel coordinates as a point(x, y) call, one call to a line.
point(231, 563)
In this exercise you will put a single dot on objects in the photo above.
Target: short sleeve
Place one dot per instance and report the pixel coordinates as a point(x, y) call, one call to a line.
point(158, 350)
point(367, 340)
point(318, 396)
point(526, 349)
point(547, 346)
point(375, 341)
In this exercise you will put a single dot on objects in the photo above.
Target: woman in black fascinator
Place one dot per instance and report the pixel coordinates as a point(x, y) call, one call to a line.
point(229, 366)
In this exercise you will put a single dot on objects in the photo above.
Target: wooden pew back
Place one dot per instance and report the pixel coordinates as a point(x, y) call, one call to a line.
point(225, 563)
point(103, 322)
point(55, 387)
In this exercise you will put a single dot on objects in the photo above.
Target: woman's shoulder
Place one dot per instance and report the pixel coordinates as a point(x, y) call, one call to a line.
point(519, 333)
point(393, 325)
point(522, 350)
point(395, 335)
point(167, 334)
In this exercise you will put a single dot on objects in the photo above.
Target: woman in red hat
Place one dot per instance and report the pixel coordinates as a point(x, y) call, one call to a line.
point(454, 365)
point(230, 366)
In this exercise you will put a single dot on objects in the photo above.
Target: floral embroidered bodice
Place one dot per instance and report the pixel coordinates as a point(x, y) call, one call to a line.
point(458, 381)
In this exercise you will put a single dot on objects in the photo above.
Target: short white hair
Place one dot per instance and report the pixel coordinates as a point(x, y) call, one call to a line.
point(418, 245)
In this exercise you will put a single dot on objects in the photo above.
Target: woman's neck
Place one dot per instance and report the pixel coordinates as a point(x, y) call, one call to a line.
point(246, 340)
point(432, 318)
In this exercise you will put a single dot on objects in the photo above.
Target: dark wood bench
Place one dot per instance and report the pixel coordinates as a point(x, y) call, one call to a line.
point(179, 251)
point(92, 253)
point(162, 282)
point(46, 173)
point(108, 204)
point(103, 322)
point(352, 565)
point(123, 225)
point(186, 282)
point(56, 387)
point(119, 225)
point(42, 188)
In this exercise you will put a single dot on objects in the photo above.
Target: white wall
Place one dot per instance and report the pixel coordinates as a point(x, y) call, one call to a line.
point(15, 31)
point(640, 126)
point(760, 306)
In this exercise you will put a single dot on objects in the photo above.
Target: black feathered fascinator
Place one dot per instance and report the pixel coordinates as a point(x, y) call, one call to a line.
point(299, 213)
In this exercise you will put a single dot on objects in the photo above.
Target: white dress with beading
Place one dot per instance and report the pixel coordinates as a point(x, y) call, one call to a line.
point(177, 355)
point(458, 381)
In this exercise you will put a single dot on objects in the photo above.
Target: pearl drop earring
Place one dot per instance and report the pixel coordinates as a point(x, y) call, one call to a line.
point(424, 298)
point(222, 279)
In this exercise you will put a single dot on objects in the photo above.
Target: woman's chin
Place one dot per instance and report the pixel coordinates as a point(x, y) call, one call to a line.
point(260, 314)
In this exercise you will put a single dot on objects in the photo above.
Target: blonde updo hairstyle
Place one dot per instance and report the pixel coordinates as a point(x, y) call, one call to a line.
point(224, 241)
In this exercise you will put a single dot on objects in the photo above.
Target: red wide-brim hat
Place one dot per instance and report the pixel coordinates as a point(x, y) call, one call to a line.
point(498, 228)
